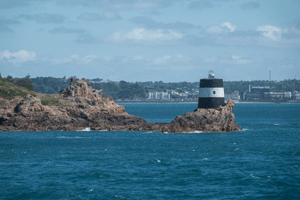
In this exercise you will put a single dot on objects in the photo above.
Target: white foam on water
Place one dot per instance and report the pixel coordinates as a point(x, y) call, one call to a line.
point(251, 175)
point(244, 129)
point(87, 129)
point(204, 159)
point(197, 131)
point(236, 149)
point(166, 133)
point(158, 160)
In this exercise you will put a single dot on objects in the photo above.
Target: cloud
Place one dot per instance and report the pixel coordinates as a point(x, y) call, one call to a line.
point(107, 15)
point(45, 18)
point(18, 57)
point(138, 57)
point(5, 28)
point(4, 4)
point(199, 5)
point(149, 23)
point(153, 12)
point(230, 26)
point(64, 30)
point(141, 35)
point(271, 32)
point(116, 4)
point(74, 58)
point(251, 5)
point(228, 60)
point(296, 24)
point(164, 60)
point(88, 38)
point(222, 28)
point(5, 22)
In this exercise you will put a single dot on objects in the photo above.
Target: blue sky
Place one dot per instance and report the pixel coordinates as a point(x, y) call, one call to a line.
point(151, 40)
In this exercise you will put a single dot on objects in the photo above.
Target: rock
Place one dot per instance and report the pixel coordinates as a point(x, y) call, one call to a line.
point(89, 108)
point(80, 88)
point(205, 120)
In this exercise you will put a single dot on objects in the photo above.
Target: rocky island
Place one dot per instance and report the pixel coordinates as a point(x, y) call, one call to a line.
point(80, 106)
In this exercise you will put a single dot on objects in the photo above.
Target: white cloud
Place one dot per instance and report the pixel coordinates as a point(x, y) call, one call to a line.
point(162, 60)
point(139, 35)
point(75, 57)
point(229, 25)
point(138, 57)
point(88, 58)
point(18, 57)
point(228, 59)
point(236, 60)
point(108, 58)
point(106, 15)
point(167, 58)
point(271, 32)
point(214, 29)
point(222, 28)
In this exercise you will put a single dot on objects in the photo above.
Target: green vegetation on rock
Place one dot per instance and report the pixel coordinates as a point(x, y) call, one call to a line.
point(50, 102)
point(9, 88)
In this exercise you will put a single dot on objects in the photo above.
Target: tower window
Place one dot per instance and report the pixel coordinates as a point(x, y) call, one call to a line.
point(214, 92)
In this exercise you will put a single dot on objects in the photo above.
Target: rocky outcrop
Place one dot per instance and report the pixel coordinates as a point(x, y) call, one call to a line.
point(81, 106)
point(80, 88)
point(205, 120)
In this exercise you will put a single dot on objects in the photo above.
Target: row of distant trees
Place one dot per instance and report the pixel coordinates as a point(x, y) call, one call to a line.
point(22, 82)
point(139, 90)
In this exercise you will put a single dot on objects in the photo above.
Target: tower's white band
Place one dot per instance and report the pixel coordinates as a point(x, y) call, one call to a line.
point(211, 92)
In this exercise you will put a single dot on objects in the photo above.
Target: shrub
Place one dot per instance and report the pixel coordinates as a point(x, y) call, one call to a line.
point(50, 102)
point(25, 82)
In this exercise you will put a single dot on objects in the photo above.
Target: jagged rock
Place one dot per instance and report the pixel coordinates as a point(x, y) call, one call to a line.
point(85, 107)
point(80, 88)
point(205, 120)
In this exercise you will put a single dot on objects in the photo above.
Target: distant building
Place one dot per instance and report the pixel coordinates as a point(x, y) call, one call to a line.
point(256, 92)
point(96, 80)
point(159, 95)
point(296, 95)
point(234, 96)
point(278, 95)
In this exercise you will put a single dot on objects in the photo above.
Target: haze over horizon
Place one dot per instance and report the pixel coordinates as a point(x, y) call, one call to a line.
point(140, 40)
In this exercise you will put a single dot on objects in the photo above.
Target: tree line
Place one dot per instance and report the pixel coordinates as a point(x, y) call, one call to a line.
point(139, 90)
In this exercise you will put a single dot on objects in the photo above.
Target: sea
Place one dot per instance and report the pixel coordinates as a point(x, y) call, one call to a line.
point(260, 162)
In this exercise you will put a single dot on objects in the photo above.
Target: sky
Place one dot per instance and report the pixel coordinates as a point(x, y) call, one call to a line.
point(151, 40)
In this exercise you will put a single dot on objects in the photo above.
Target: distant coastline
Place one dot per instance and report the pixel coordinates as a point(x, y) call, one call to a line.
point(144, 101)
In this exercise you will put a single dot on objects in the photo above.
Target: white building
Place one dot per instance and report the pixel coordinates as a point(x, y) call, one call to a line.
point(234, 96)
point(159, 95)
point(278, 94)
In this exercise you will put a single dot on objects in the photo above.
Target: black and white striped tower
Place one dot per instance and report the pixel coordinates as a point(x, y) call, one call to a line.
point(211, 92)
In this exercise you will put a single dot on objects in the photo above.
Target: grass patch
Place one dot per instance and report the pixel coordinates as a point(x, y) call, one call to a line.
point(8, 93)
point(50, 102)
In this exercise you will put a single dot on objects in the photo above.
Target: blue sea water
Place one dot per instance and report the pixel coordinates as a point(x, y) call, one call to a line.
point(260, 162)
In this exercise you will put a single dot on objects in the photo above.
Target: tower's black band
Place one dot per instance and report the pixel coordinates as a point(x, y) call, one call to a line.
point(211, 83)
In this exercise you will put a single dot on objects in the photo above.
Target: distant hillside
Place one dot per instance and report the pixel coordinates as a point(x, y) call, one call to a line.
point(139, 90)
point(10, 88)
